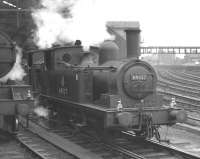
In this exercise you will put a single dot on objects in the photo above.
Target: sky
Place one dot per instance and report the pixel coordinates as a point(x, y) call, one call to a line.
point(163, 22)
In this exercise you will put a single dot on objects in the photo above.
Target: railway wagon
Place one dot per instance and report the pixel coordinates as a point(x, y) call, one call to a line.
point(14, 99)
point(99, 90)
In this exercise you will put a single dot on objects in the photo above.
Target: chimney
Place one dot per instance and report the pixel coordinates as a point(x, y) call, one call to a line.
point(133, 42)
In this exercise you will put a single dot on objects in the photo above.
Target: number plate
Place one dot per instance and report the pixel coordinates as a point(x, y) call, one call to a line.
point(138, 77)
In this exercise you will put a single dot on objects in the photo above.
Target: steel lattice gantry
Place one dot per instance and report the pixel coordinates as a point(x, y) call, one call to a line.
point(170, 50)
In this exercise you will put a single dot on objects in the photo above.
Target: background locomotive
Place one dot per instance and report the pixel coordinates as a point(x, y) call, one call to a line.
point(14, 99)
point(96, 88)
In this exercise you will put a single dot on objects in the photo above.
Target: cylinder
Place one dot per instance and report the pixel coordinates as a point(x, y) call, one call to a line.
point(133, 43)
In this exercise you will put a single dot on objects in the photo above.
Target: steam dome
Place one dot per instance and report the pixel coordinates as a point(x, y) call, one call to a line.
point(108, 51)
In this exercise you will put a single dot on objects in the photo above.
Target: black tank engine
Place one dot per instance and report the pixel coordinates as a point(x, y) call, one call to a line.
point(15, 99)
point(96, 88)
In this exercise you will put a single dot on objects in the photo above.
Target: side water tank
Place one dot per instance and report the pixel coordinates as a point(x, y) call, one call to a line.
point(7, 54)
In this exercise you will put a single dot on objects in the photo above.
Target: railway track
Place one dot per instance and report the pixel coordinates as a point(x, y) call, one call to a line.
point(187, 96)
point(10, 148)
point(193, 73)
point(182, 102)
point(87, 144)
point(174, 151)
point(187, 102)
point(39, 147)
point(187, 91)
point(165, 82)
point(169, 76)
point(27, 145)
point(188, 75)
point(194, 119)
point(13, 150)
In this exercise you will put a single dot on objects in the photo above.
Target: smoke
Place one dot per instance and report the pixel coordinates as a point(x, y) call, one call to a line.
point(51, 22)
point(42, 112)
point(17, 72)
point(86, 19)
point(62, 21)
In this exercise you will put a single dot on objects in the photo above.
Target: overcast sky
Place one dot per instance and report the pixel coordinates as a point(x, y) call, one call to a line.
point(163, 22)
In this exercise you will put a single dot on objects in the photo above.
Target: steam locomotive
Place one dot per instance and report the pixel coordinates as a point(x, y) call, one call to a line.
point(14, 99)
point(99, 90)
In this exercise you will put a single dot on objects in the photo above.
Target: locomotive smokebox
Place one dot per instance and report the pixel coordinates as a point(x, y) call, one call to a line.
point(133, 42)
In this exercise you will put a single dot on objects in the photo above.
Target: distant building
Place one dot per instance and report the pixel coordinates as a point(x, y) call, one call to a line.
point(192, 58)
point(166, 59)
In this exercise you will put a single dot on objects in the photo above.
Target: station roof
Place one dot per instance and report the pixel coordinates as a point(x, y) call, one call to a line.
point(17, 4)
point(8, 4)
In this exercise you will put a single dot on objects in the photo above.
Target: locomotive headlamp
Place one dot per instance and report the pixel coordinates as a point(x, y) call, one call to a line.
point(17, 123)
point(119, 105)
point(173, 102)
point(29, 96)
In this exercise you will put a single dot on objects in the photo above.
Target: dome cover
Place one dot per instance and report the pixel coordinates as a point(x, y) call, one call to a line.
point(108, 51)
point(109, 45)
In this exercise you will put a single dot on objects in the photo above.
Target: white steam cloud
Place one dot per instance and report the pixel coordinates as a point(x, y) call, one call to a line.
point(159, 26)
point(55, 26)
point(42, 112)
point(17, 72)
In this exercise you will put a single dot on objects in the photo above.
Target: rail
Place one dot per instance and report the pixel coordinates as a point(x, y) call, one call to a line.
point(109, 147)
point(193, 118)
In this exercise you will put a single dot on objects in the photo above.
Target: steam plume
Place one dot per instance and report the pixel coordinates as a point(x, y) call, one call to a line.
point(87, 18)
point(17, 72)
point(42, 112)
point(61, 21)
